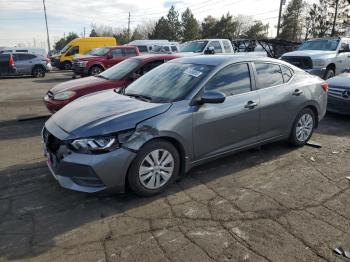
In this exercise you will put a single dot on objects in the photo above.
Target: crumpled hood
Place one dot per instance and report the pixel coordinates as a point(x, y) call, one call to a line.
point(310, 53)
point(77, 84)
point(342, 80)
point(102, 113)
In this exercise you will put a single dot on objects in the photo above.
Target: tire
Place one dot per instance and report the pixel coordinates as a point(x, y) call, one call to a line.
point(38, 71)
point(67, 65)
point(329, 74)
point(303, 128)
point(152, 175)
point(95, 70)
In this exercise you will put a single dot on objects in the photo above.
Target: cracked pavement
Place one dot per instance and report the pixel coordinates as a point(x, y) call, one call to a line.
point(274, 204)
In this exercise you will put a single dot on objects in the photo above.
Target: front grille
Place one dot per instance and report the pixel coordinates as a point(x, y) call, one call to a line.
point(52, 143)
point(339, 92)
point(303, 62)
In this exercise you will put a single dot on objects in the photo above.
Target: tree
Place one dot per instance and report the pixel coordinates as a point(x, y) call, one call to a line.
point(136, 35)
point(291, 27)
point(339, 16)
point(174, 24)
point(145, 29)
point(256, 30)
point(190, 26)
point(93, 33)
point(65, 40)
point(209, 27)
point(226, 27)
point(161, 29)
point(122, 37)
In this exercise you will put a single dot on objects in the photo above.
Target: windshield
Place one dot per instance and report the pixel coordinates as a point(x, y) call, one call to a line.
point(98, 51)
point(324, 45)
point(65, 49)
point(195, 46)
point(169, 82)
point(121, 70)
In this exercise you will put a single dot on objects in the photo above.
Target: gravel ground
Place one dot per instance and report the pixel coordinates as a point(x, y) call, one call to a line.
point(273, 204)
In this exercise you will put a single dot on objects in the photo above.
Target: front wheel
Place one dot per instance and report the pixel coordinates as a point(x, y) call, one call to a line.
point(329, 74)
point(67, 65)
point(95, 70)
point(303, 127)
point(155, 167)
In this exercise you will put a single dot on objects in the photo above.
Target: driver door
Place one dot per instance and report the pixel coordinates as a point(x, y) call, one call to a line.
point(220, 128)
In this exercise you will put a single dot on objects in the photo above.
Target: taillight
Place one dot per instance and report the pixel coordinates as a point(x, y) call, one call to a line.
point(47, 60)
point(12, 62)
point(325, 87)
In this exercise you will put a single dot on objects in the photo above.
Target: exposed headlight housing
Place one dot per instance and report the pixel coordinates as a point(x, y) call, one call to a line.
point(63, 95)
point(82, 63)
point(101, 144)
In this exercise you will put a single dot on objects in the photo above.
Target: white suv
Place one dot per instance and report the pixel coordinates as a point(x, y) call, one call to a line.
point(324, 57)
point(206, 46)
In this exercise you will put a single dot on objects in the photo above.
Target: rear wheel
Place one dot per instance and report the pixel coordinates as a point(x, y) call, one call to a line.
point(155, 167)
point(95, 70)
point(38, 71)
point(303, 127)
point(67, 65)
point(329, 73)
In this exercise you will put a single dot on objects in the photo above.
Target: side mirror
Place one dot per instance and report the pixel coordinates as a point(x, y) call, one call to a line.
point(210, 50)
point(109, 56)
point(212, 97)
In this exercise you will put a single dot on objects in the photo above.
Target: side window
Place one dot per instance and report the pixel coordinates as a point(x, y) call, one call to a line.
point(227, 46)
point(287, 73)
point(232, 80)
point(117, 52)
point(142, 48)
point(268, 74)
point(130, 51)
point(149, 66)
point(174, 48)
point(74, 50)
point(216, 45)
point(20, 57)
point(166, 48)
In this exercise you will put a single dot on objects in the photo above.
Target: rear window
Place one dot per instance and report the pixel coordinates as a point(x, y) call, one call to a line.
point(287, 73)
point(268, 74)
point(142, 48)
point(130, 51)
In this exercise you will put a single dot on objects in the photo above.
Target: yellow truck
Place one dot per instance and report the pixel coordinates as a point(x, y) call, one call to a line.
point(79, 46)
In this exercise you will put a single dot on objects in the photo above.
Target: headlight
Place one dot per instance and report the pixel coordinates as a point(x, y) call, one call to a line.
point(95, 145)
point(319, 63)
point(82, 63)
point(64, 95)
point(102, 144)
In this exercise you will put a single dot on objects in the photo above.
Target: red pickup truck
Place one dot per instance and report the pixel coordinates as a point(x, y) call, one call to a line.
point(100, 59)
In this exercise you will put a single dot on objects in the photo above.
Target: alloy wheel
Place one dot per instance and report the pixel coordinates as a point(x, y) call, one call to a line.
point(304, 127)
point(156, 169)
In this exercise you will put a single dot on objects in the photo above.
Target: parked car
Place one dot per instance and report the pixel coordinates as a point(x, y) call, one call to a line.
point(35, 51)
point(325, 57)
point(102, 58)
point(339, 94)
point(116, 77)
point(26, 64)
point(79, 46)
point(145, 46)
point(7, 65)
point(181, 114)
point(165, 49)
point(206, 46)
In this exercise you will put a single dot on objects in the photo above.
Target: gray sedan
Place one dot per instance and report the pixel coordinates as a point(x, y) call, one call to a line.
point(180, 115)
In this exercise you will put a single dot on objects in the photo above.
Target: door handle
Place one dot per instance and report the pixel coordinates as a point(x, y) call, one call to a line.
point(251, 105)
point(297, 92)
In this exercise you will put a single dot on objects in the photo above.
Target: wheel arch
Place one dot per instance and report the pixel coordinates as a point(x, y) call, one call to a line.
point(331, 66)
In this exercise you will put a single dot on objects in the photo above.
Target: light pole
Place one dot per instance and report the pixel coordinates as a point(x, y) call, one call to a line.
point(47, 28)
point(282, 2)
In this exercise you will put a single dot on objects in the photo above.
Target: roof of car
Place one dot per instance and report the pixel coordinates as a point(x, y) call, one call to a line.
point(155, 56)
point(216, 60)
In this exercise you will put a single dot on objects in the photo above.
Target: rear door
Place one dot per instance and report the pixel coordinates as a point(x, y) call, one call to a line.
point(280, 99)
point(117, 57)
point(219, 128)
point(20, 62)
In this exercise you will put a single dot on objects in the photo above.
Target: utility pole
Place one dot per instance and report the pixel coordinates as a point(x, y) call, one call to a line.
point(47, 28)
point(129, 28)
point(282, 2)
point(335, 17)
point(84, 31)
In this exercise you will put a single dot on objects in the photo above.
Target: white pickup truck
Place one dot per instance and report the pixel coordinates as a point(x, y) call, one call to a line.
point(324, 57)
point(206, 47)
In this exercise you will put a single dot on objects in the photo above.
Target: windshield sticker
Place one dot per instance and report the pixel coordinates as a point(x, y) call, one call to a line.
point(193, 72)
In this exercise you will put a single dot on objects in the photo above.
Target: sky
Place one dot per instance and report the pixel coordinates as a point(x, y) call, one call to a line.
point(23, 22)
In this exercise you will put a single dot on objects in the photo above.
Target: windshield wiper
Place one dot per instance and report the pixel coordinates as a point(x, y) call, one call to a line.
point(140, 97)
point(101, 76)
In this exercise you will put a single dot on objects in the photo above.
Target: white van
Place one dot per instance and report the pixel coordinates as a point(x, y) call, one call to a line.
point(146, 46)
point(206, 46)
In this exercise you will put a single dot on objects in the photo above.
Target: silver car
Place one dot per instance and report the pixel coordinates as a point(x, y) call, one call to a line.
point(182, 114)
